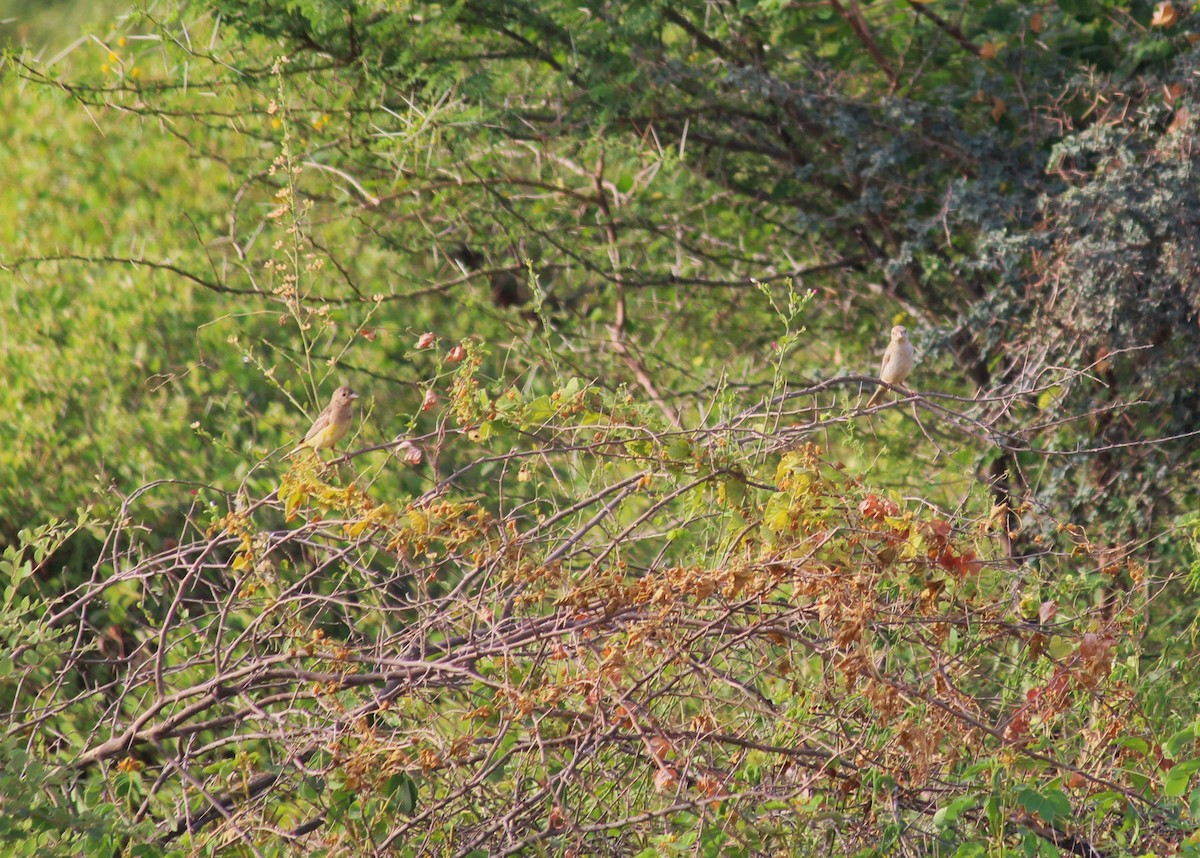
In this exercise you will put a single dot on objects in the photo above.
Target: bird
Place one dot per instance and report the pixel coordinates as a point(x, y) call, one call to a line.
point(331, 424)
point(897, 362)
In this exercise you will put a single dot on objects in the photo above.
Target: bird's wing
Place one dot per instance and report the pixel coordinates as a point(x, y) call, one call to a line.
point(889, 359)
point(321, 422)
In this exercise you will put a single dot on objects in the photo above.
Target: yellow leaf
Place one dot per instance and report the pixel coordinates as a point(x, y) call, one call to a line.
point(778, 515)
point(1046, 398)
point(989, 51)
point(291, 503)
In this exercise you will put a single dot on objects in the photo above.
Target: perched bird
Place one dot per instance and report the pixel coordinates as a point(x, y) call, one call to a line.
point(332, 423)
point(897, 361)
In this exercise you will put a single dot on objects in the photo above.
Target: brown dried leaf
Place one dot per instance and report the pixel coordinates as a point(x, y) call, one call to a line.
point(1165, 15)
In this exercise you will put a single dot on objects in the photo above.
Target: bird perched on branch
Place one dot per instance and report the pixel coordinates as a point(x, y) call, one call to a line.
point(332, 423)
point(897, 361)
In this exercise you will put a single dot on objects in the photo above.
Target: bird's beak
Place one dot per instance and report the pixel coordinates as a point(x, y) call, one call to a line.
point(354, 396)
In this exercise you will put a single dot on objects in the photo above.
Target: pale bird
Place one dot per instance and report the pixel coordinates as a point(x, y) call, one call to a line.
point(897, 362)
point(331, 424)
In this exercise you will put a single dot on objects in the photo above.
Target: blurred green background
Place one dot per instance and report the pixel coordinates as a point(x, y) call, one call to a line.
point(51, 25)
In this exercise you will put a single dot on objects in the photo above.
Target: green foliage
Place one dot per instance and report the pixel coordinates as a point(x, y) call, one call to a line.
point(614, 563)
point(37, 819)
point(424, 656)
point(51, 25)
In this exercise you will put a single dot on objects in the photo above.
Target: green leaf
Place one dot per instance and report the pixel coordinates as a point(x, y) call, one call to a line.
point(539, 410)
point(1050, 805)
point(1175, 784)
point(1181, 740)
point(994, 811)
point(403, 790)
point(1134, 744)
point(127, 785)
point(948, 814)
point(679, 450)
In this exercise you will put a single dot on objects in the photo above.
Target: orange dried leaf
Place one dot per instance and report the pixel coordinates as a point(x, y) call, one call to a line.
point(709, 787)
point(659, 747)
point(1165, 15)
point(940, 529)
point(969, 563)
point(877, 508)
point(666, 779)
point(1048, 611)
point(1179, 121)
point(1017, 728)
